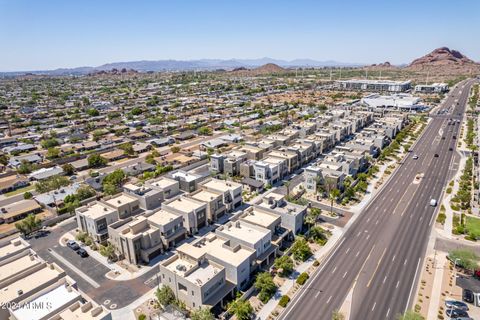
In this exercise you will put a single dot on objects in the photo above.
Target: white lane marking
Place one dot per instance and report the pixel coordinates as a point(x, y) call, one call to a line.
point(359, 233)
point(344, 274)
point(393, 259)
point(328, 301)
point(405, 263)
point(373, 308)
point(413, 285)
point(431, 220)
point(317, 294)
point(357, 254)
point(376, 222)
point(398, 282)
point(311, 280)
point(388, 312)
point(334, 270)
point(384, 279)
point(347, 250)
point(368, 236)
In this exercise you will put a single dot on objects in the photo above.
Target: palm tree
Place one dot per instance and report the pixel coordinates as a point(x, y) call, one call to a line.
point(287, 186)
point(333, 195)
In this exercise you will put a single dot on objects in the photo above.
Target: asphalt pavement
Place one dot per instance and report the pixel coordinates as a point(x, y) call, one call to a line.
point(380, 254)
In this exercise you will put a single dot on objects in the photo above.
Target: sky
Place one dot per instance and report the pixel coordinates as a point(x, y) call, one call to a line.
point(50, 34)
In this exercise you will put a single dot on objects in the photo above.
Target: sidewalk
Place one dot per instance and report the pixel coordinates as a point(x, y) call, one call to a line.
point(288, 284)
point(435, 297)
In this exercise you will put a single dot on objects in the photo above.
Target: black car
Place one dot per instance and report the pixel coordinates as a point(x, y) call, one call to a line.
point(443, 138)
point(456, 313)
point(436, 155)
point(73, 245)
point(82, 253)
point(450, 149)
point(454, 137)
point(467, 295)
point(449, 304)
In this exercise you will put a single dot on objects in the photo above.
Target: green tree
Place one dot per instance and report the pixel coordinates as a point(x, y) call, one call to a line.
point(242, 309)
point(410, 315)
point(53, 153)
point(85, 193)
point(175, 149)
point(285, 263)
point(68, 169)
point(109, 189)
point(27, 195)
point(264, 283)
point(332, 196)
point(115, 178)
point(337, 315)
point(108, 251)
point(202, 314)
point(92, 112)
point(49, 143)
point(165, 296)
point(28, 224)
point(300, 249)
point(96, 161)
point(3, 159)
point(205, 131)
point(464, 258)
point(127, 149)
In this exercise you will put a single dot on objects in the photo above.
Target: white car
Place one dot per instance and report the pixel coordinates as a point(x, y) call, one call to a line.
point(433, 203)
point(415, 157)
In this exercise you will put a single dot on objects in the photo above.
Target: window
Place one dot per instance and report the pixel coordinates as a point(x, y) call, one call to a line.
point(182, 287)
point(193, 293)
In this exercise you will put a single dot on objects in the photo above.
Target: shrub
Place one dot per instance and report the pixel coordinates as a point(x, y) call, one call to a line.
point(284, 300)
point(142, 317)
point(302, 278)
point(316, 263)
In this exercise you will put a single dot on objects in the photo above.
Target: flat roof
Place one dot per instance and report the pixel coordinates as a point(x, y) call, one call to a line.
point(260, 218)
point(121, 200)
point(215, 246)
point(179, 265)
point(28, 283)
point(162, 217)
point(48, 302)
point(203, 274)
point(163, 182)
point(222, 185)
point(243, 231)
point(14, 246)
point(205, 195)
point(79, 311)
point(97, 210)
point(17, 266)
point(184, 204)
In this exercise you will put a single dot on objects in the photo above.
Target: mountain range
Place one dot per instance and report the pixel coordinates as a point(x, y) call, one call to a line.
point(186, 65)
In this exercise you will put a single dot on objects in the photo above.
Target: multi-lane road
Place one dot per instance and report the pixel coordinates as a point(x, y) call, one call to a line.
point(378, 260)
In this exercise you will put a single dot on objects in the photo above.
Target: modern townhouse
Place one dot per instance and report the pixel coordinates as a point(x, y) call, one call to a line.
point(196, 281)
point(250, 236)
point(291, 157)
point(238, 261)
point(94, 219)
point(193, 212)
point(214, 201)
point(292, 215)
point(151, 194)
point(231, 192)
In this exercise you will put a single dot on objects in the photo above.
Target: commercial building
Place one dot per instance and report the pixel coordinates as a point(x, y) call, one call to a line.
point(373, 85)
point(431, 88)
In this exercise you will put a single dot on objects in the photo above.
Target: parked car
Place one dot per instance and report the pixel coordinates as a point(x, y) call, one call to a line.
point(73, 245)
point(436, 155)
point(415, 157)
point(456, 313)
point(456, 305)
point(82, 253)
point(468, 295)
point(450, 149)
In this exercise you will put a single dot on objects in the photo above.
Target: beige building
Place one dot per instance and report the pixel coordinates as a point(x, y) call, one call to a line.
point(192, 211)
point(32, 289)
point(141, 239)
